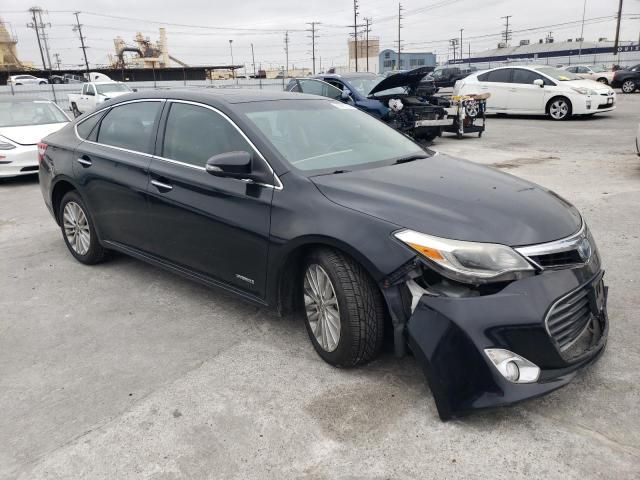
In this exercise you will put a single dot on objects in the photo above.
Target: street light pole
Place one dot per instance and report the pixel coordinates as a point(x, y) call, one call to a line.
point(233, 71)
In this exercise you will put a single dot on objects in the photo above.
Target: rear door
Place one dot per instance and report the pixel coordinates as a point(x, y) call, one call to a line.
point(112, 167)
point(218, 227)
point(523, 95)
point(497, 83)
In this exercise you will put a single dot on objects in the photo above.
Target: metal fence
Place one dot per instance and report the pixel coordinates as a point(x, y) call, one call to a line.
point(59, 92)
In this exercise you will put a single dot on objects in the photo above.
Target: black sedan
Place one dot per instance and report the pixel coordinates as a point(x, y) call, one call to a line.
point(309, 205)
point(628, 80)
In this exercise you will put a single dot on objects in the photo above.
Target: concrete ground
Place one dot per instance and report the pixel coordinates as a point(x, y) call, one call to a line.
point(125, 371)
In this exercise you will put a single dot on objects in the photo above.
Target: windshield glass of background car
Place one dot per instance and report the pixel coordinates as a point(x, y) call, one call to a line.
point(365, 84)
point(320, 135)
point(557, 74)
point(110, 88)
point(17, 114)
point(599, 68)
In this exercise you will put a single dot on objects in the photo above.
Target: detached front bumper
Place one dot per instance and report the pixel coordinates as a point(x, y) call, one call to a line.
point(449, 336)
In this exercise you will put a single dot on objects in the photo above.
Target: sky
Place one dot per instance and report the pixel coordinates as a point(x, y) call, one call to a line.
point(199, 31)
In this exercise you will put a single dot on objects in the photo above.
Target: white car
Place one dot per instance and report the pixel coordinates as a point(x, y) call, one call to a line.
point(538, 90)
point(23, 123)
point(599, 73)
point(95, 93)
point(26, 80)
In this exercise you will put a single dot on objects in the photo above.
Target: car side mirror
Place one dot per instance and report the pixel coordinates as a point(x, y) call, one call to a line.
point(231, 165)
point(134, 89)
point(345, 95)
point(539, 82)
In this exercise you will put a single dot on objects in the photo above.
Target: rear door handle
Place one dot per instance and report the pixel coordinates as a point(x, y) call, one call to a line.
point(84, 161)
point(163, 187)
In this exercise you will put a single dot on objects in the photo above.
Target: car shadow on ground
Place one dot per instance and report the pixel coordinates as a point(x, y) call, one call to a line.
point(19, 180)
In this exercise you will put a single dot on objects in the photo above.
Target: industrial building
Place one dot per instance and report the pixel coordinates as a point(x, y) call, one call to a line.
point(367, 51)
point(550, 52)
point(8, 54)
point(388, 60)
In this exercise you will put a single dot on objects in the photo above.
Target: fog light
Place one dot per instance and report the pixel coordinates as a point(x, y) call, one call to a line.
point(513, 367)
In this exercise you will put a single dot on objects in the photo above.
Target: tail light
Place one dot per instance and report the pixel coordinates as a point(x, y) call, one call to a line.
point(42, 150)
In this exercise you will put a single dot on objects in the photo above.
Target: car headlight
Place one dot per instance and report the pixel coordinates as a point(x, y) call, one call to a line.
point(468, 262)
point(584, 91)
point(6, 144)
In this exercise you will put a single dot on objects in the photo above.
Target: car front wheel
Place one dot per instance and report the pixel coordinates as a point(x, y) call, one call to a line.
point(344, 309)
point(78, 230)
point(560, 108)
point(628, 86)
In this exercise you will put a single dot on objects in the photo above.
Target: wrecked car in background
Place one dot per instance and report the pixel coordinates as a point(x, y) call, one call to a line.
point(402, 100)
point(309, 205)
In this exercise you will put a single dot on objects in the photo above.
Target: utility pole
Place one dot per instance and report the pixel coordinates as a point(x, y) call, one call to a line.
point(367, 22)
point(507, 33)
point(43, 34)
point(36, 27)
point(285, 74)
point(78, 28)
point(615, 44)
point(57, 55)
point(313, 43)
point(454, 43)
point(233, 70)
point(253, 61)
point(355, 30)
point(461, 51)
point(399, 28)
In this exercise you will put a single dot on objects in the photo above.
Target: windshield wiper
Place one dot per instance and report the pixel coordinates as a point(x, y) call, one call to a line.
point(410, 159)
point(341, 171)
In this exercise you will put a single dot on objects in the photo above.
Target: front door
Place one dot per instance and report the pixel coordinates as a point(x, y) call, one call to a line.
point(113, 170)
point(217, 227)
point(497, 83)
point(524, 95)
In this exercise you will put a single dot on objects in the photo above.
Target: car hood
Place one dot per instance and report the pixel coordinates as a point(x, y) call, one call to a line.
point(409, 79)
point(455, 199)
point(110, 95)
point(587, 83)
point(30, 134)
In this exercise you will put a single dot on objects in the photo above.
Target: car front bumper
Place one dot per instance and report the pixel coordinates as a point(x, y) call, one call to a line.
point(594, 104)
point(449, 336)
point(22, 160)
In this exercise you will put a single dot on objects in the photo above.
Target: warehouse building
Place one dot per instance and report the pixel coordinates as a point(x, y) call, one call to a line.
point(547, 51)
point(408, 60)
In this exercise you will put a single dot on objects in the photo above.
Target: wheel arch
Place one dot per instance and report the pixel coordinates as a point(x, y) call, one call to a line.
point(58, 191)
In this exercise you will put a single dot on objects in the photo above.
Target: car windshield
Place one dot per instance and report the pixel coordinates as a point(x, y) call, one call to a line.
point(18, 114)
point(112, 87)
point(558, 74)
point(365, 84)
point(328, 135)
point(599, 68)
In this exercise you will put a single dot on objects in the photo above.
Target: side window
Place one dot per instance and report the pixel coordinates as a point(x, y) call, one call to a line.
point(502, 75)
point(318, 87)
point(194, 134)
point(85, 87)
point(522, 76)
point(86, 129)
point(130, 126)
point(571, 69)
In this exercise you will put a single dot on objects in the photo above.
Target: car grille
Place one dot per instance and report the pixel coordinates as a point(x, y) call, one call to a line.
point(573, 324)
point(558, 259)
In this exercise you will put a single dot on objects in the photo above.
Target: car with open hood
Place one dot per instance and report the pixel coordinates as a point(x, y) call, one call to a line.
point(310, 206)
point(403, 100)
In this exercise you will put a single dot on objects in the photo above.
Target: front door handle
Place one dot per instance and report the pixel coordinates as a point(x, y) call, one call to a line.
point(84, 161)
point(163, 187)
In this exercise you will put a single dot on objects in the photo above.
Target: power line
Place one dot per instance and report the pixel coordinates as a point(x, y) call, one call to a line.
point(78, 28)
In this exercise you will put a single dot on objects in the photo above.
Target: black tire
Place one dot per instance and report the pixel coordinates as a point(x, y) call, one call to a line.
point(361, 309)
point(42, 83)
point(603, 80)
point(562, 114)
point(629, 86)
point(75, 111)
point(95, 253)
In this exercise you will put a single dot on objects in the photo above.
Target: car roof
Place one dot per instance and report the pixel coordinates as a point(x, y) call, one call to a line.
point(18, 99)
point(216, 96)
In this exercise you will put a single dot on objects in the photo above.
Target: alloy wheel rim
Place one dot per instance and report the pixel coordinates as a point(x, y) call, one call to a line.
point(322, 309)
point(76, 228)
point(559, 109)
point(628, 86)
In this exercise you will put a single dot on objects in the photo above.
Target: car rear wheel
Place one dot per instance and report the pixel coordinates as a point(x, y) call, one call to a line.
point(603, 80)
point(344, 311)
point(559, 108)
point(628, 86)
point(78, 231)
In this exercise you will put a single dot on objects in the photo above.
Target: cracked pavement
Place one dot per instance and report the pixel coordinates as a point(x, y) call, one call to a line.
point(123, 370)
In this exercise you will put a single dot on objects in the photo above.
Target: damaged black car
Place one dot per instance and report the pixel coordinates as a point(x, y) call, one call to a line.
point(308, 205)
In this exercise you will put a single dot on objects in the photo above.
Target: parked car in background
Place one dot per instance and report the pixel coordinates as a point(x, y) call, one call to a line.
point(308, 205)
point(638, 140)
point(401, 100)
point(627, 80)
point(67, 78)
point(538, 90)
point(444, 77)
point(26, 80)
point(23, 123)
point(599, 73)
point(95, 93)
